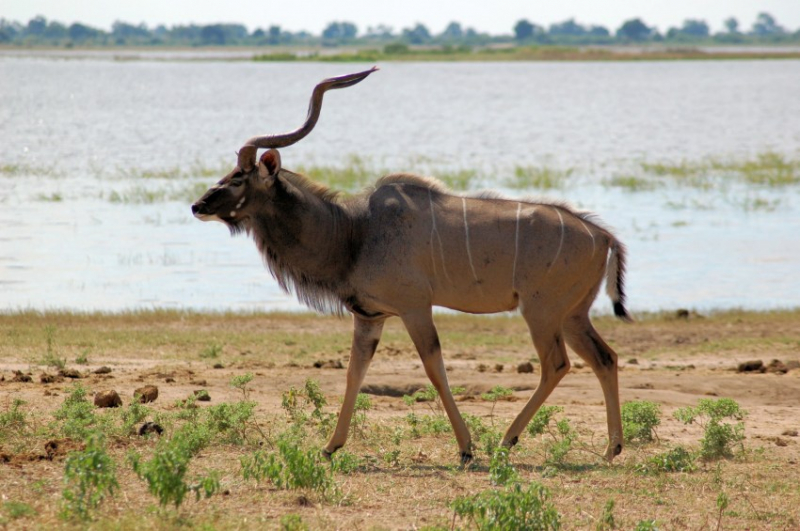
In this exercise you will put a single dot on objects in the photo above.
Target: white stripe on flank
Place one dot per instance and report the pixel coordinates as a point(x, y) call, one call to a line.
point(590, 235)
point(561, 242)
point(435, 231)
point(516, 251)
point(466, 234)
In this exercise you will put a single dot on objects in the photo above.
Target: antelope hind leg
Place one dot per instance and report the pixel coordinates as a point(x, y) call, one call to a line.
point(587, 343)
point(554, 366)
point(366, 335)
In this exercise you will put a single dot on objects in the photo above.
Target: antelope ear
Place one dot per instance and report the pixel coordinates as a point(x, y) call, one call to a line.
point(269, 163)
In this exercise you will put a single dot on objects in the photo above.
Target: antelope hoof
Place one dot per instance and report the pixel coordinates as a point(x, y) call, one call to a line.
point(466, 458)
point(328, 454)
point(511, 443)
point(612, 451)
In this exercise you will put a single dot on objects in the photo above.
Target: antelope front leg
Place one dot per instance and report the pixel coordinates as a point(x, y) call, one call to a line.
point(366, 335)
point(423, 333)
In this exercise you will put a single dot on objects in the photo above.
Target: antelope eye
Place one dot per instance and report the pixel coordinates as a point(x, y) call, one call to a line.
point(236, 183)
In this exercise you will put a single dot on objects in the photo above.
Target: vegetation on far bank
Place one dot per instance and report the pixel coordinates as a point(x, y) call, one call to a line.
point(764, 30)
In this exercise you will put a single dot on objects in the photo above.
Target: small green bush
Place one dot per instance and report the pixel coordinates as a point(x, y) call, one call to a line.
point(639, 420)
point(510, 508)
point(291, 468)
point(677, 459)
point(90, 476)
point(77, 415)
point(165, 472)
point(240, 382)
point(719, 437)
point(501, 471)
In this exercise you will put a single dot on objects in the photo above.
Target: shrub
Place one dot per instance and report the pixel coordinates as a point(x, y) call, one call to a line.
point(719, 437)
point(510, 508)
point(90, 476)
point(639, 420)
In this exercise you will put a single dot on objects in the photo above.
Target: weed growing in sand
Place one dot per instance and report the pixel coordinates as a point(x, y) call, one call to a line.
point(240, 382)
point(165, 472)
point(13, 419)
point(677, 459)
point(292, 522)
point(50, 358)
point(83, 357)
point(607, 521)
point(501, 471)
point(719, 437)
point(132, 415)
point(211, 351)
point(510, 508)
point(498, 392)
point(78, 415)
point(639, 420)
point(296, 402)
point(90, 476)
point(560, 434)
point(291, 468)
point(359, 421)
point(16, 510)
point(230, 422)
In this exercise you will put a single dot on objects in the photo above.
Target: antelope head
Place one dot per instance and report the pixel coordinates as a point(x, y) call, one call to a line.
point(249, 185)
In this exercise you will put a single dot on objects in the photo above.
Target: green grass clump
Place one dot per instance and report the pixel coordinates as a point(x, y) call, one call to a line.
point(720, 435)
point(539, 178)
point(14, 419)
point(211, 351)
point(16, 510)
point(510, 508)
point(632, 183)
point(639, 420)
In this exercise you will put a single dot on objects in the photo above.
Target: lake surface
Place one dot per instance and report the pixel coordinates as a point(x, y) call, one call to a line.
point(98, 154)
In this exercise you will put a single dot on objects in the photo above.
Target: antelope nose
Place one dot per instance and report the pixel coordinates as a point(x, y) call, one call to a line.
point(195, 208)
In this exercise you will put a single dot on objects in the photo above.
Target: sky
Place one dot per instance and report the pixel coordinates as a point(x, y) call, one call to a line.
point(494, 17)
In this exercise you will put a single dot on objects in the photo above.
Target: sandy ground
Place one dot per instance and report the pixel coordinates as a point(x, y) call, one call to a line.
point(672, 362)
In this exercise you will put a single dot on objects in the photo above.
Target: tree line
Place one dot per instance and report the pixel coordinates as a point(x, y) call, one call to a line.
point(42, 32)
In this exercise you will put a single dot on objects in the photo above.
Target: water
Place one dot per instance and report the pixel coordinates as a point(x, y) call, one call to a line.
point(80, 131)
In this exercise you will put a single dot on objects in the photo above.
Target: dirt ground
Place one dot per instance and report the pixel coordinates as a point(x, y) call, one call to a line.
point(672, 360)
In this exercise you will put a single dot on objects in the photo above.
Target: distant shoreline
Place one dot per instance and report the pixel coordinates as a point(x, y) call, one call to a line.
point(410, 54)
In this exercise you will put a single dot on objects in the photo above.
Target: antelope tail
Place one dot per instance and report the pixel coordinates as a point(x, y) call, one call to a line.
point(615, 280)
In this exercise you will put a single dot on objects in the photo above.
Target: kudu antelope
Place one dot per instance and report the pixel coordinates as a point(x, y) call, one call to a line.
point(409, 244)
